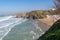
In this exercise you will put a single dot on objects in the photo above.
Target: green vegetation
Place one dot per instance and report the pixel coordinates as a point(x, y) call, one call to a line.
point(38, 14)
point(53, 33)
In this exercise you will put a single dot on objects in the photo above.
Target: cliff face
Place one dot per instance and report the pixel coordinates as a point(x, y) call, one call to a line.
point(50, 20)
point(21, 15)
point(53, 33)
point(36, 14)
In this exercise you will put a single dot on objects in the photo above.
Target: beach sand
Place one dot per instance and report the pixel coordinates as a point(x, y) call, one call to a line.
point(49, 22)
point(40, 25)
point(43, 24)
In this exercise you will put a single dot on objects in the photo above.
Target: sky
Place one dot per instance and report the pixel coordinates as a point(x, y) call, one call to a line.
point(24, 5)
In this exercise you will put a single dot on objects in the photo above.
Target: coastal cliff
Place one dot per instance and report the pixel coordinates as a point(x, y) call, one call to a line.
point(46, 18)
point(36, 14)
point(53, 33)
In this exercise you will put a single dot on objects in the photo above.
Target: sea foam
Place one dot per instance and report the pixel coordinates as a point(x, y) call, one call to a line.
point(8, 27)
point(5, 18)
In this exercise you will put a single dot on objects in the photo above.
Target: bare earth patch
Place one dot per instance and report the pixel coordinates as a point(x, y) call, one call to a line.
point(48, 21)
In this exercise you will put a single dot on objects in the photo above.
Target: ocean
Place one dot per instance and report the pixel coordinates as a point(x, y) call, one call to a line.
point(12, 28)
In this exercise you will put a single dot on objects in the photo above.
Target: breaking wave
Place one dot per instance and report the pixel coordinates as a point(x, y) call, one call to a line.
point(4, 29)
point(5, 18)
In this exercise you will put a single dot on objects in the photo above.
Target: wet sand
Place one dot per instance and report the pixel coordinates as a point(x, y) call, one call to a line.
point(40, 25)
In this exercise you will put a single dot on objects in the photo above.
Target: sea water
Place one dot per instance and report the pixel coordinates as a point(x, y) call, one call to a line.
point(12, 28)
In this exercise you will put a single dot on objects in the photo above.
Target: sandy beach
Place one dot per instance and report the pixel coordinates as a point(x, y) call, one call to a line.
point(43, 24)
point(40, 25)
